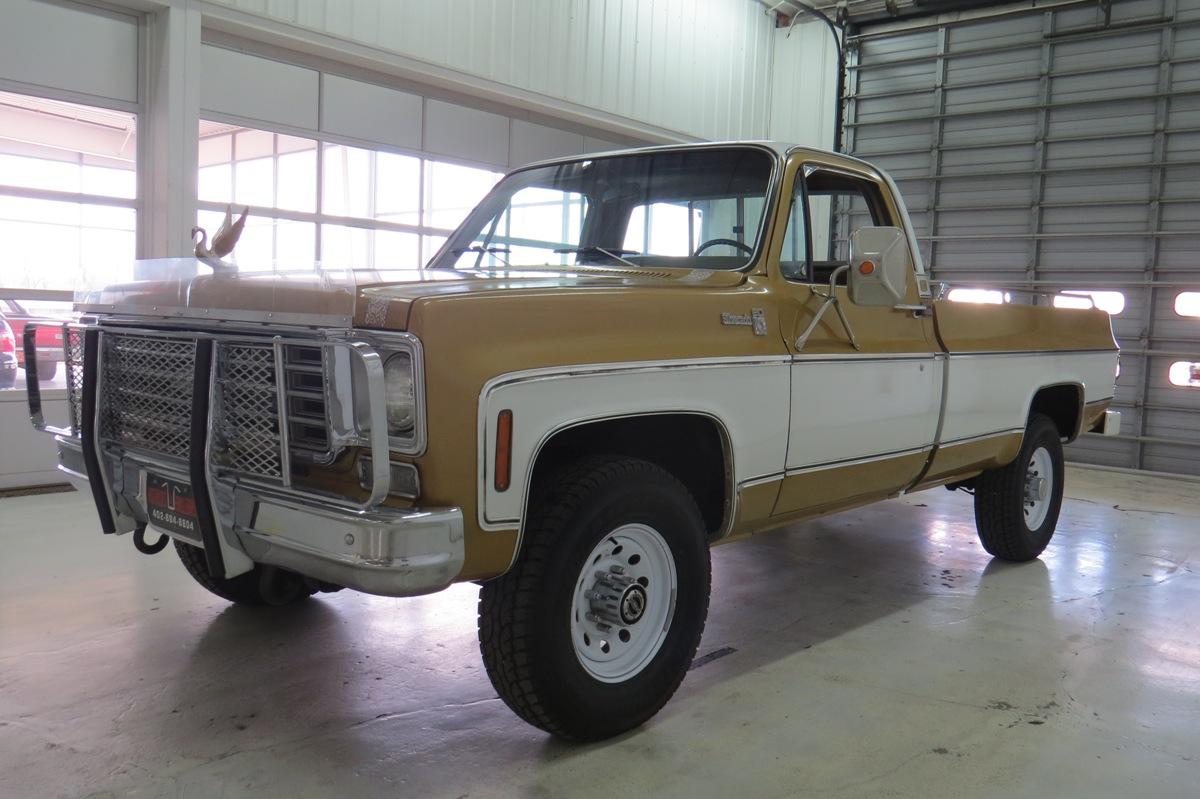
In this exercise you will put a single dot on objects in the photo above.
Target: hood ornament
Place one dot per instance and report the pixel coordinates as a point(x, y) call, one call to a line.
point(223, 241)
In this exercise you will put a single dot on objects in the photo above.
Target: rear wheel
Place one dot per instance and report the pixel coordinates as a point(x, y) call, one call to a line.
point(1016, 506)
point(593, 629)
point(262, 585)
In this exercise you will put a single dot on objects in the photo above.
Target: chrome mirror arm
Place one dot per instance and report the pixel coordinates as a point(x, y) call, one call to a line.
point(829, 299)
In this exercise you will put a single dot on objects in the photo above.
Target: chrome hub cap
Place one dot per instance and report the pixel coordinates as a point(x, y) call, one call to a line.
point(1039, 485)
point(624, 603)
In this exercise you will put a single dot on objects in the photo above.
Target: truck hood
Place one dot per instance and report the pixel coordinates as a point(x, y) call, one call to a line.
point(189, 288)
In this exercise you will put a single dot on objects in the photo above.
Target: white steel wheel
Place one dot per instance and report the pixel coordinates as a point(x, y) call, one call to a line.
point(1039, 488)
point(624, 603)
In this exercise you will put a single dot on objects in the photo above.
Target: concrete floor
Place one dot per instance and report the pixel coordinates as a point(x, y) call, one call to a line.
point(876, 653)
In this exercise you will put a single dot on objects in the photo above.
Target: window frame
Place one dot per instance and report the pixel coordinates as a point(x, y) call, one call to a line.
point(873, 197)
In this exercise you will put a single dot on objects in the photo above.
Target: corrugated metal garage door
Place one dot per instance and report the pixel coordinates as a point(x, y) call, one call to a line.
point(1057, 149)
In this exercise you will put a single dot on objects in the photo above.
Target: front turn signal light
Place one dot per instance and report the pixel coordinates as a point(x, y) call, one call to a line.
point(503, 471)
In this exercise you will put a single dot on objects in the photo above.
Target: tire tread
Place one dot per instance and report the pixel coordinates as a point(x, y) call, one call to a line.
point(507, 604)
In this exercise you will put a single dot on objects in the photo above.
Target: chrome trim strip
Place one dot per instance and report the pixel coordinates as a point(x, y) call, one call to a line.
point(867, 357)
point(857, 461)
point(281, 408)
point(981, 436)
point(757, 481)
point(623, 367)
point(1031, 353)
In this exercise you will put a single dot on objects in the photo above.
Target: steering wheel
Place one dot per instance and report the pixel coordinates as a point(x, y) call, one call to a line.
point(746, 248)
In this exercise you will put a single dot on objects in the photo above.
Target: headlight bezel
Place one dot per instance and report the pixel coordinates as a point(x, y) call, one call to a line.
point(386, 345)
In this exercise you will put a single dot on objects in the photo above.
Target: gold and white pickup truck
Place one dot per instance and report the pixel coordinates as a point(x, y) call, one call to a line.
point(616, 362)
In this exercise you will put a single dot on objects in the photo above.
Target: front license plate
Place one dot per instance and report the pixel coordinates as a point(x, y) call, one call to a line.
point(171, 506)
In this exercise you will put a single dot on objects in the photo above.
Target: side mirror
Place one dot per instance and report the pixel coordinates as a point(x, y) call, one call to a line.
point(880, 264)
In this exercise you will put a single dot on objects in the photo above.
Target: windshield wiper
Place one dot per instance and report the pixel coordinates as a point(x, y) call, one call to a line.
point(615, 253)
point(479, 248)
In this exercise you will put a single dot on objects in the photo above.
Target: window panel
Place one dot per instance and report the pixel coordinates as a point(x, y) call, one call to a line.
point(297, 181)
point(430, 246)
point(347, 181)
point(250, 144)
point(1187, 303)
point(39, 173)
point(362, 248)
point(398, 188)
point(451, 191)
point(108, 181)
point(1185, 374)
point(254, 182)
point(215, 183)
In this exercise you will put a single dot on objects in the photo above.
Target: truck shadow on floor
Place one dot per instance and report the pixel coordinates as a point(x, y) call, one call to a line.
point(347, 673)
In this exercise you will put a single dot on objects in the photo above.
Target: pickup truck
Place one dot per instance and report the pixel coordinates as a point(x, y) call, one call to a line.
point(616, 362)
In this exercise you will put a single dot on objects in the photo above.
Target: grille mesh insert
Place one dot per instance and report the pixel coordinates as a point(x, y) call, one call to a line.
point(146, 392)
point(73, 352)
point(248, 420)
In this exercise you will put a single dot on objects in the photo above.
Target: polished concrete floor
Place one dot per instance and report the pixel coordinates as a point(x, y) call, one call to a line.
point(876, 653)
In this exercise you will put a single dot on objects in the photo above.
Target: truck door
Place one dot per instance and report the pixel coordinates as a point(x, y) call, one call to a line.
point(863, 421)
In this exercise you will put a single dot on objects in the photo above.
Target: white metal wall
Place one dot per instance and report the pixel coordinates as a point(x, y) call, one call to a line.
point(803, 85)
point(699, 67)
point(278, 95)
point(1053, 148)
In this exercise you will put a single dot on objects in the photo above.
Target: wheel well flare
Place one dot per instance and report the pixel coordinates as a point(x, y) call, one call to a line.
point(692, 447)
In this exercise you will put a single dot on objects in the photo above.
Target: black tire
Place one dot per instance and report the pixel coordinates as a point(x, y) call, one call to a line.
point(1000, 498)
point(262, 585)
point(46, 370)
point(525, 615)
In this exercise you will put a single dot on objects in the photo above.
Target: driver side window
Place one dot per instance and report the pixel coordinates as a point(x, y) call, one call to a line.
point(818, 242)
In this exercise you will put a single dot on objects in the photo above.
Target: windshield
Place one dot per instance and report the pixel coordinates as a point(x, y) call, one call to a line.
point(698, 208)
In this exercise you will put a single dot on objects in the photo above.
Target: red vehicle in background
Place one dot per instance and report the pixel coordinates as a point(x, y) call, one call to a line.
point(8, 355)
point(49, 338)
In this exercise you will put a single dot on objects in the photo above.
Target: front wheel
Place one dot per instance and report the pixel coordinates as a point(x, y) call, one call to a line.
point(262, 585)
point(1016, 506)
point(593, 629)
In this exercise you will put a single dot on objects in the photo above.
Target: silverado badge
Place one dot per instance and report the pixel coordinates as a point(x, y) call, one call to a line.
point(755, 319)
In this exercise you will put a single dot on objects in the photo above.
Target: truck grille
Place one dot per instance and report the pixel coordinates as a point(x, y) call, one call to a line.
point(146, 400)
point(146, 393)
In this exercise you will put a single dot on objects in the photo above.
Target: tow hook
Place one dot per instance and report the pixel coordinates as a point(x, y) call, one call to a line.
point(139, 541)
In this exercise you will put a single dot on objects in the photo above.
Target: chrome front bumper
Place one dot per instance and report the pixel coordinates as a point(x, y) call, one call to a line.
point(241, 519)
point(384, 551)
